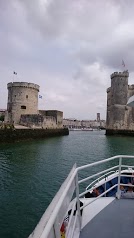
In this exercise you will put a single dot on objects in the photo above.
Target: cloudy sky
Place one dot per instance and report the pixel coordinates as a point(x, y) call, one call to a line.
point(69, 48)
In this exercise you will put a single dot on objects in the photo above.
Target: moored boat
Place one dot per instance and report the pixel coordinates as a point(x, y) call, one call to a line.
point(75, 129)
point(81, 129)
point(87, 129)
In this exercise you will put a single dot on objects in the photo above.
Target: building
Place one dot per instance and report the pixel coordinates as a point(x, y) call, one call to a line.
point(22, 108)
point(96, 124)
point(72, 123)
point(119, 115)
point(22, 99)
point(98, 117)
point(56, 115)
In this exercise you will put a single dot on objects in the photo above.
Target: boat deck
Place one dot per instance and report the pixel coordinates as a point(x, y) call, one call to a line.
point(115, 220)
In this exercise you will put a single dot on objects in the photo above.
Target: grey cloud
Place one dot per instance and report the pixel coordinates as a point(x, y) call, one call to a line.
point(102, 30)
point(73, 43)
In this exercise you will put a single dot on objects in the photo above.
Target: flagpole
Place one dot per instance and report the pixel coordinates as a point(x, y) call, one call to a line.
point(14, 73)
point(123, 64)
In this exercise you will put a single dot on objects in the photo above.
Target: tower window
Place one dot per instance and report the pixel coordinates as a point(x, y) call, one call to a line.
point(26, 96)
point(23, 107)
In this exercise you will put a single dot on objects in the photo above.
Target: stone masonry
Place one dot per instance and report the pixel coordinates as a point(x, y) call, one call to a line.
point(119, 115)
point(22, 108)
point(22, 99)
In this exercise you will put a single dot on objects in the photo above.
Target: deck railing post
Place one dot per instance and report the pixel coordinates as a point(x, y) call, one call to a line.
point(78, 201)
point(118, 194)
point(105, 186)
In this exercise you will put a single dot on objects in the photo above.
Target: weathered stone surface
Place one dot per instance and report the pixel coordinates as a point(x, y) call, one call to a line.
point(22, 99)
point(11, 135)
point(120, 117)
point(119, 132)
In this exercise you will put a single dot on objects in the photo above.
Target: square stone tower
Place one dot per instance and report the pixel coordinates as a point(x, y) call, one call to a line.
point(120, 117)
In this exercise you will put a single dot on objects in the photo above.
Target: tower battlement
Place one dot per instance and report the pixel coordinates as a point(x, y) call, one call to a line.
point(23, 84)
point(120, 74)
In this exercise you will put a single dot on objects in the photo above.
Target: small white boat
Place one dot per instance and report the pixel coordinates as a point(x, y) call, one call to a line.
point(81, 211)
point(87, 129)
point(81, 129)
point(75, 129)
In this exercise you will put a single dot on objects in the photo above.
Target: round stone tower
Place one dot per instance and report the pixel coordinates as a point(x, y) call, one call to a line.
point(117, 96)
point(22, 99)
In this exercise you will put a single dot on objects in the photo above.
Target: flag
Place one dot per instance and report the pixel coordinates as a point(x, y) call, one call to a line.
point(14, 73)
point(40, 96)
point(123, 64)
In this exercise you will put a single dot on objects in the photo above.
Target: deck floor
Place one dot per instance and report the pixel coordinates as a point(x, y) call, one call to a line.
point(115, 221)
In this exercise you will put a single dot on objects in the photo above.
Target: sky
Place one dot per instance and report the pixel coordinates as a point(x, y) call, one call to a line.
point(68, 47)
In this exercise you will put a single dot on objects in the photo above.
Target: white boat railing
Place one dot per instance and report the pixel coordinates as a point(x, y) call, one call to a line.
point(53, 219)
point(101, 177)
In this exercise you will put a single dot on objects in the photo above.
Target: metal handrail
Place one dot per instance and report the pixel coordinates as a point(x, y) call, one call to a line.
point(74, 178)
point(74, 224)
point(70, 218)
point(89, 190)
point(98, 179)
point(104, 161)
point(101, 195)
point(57, 208)
point(94, 175)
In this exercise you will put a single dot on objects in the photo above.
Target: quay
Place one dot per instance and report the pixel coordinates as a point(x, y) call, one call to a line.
point(19, 134)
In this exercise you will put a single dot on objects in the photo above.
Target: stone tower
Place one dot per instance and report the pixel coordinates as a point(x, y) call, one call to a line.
point(98, 117)
point(118, 114)
point(120, 117)
point(22, 99)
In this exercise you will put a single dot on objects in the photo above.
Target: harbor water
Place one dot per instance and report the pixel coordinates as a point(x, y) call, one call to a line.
point(31, 173)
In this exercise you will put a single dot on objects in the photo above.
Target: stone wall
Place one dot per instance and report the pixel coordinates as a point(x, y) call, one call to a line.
point(50, 122)
point(113, 132)
point(38, 120)
point(31, 120)
point(11, 135)
point(58, 115)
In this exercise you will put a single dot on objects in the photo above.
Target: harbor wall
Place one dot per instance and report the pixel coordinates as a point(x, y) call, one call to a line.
point(12, 135)
point(112, 132)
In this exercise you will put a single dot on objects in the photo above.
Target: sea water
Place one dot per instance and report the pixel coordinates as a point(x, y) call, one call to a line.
point(31, 173)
